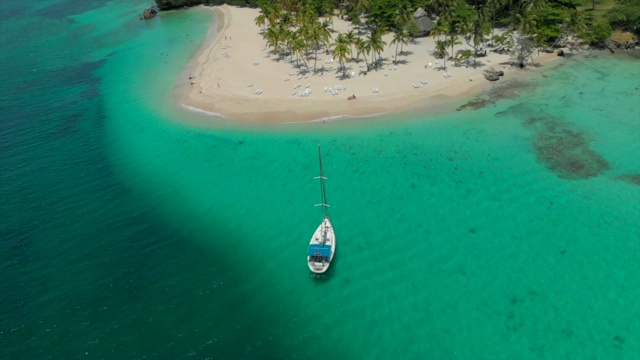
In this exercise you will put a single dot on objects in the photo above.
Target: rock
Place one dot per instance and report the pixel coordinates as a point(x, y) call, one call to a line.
point(178, 4)
point(613, 45)
point(149, 14)
point(560, 52)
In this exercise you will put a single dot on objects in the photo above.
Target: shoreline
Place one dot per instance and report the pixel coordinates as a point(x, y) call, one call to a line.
point(222, 77)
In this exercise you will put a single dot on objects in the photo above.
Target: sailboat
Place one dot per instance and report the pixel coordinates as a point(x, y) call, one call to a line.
point(322, 246)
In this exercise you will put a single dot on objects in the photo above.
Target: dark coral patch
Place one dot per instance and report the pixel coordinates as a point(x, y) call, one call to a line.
point(564, 150)
point(475, 104)
point(630, 178)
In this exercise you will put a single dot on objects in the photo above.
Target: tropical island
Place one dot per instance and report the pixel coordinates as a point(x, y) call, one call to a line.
point(300, 60)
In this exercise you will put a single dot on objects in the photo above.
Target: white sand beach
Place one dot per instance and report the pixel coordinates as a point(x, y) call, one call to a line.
point(236, 76)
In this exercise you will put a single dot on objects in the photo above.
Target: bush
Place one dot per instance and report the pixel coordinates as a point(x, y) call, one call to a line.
point(625, 15)
point(597, 33)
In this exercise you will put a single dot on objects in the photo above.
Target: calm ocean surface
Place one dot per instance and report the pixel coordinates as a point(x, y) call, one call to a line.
point(510, 231)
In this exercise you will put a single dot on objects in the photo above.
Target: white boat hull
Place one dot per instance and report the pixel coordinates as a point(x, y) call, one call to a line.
point(324, 243)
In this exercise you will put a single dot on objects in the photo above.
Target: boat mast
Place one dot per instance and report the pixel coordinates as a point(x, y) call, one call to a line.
point(324, 204)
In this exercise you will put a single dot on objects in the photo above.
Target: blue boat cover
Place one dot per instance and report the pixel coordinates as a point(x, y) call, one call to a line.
point(319, 250)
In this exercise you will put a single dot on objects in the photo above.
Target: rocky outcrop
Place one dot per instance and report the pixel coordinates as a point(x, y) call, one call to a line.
point(425, 22)
point(149, 14)
point(613, 45)
point(178, 4)
point(492, 74)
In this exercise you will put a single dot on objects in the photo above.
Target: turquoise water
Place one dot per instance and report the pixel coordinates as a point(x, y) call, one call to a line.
point(509, 231)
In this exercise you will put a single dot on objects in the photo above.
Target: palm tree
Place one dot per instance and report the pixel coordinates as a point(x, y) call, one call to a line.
point(291, 38)
point(272, 37)
point(453, 40)
point(316, 36)
point(361, 5)
point(399, 37)
point(377, 44)
point(441, 51)
point(493, 6)
point(576, 22)
point(479, 29)
point(287, 19)
point(298, 47)
point(363, 47)
point(526, 22)
point(404, 14)
point(442, 28)
point(341, 51)
point(406, 40)
point(260, 21)
point(534, 4)
point(272, 14)
point(326, 25)
point(350, 37)
point(445, 7)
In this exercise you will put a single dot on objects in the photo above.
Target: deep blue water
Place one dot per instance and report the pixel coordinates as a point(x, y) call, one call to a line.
point(509, 231)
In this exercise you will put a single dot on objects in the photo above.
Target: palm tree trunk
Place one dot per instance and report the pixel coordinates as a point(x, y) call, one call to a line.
point(315, 60)
point(396, 59)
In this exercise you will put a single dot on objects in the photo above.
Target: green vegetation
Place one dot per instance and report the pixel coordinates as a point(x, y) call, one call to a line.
point(301, 27)
point(178, 4)
point(625, 15)
point(532, 25)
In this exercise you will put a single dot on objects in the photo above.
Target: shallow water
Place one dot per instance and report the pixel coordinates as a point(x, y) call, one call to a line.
point(509, 231)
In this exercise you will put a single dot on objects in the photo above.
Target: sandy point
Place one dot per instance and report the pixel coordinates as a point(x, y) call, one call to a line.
point(237, 76)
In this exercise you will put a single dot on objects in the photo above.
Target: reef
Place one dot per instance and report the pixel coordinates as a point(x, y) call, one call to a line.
point(564, 150)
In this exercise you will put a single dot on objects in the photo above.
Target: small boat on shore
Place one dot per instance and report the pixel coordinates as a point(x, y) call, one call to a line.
point(322, 246)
